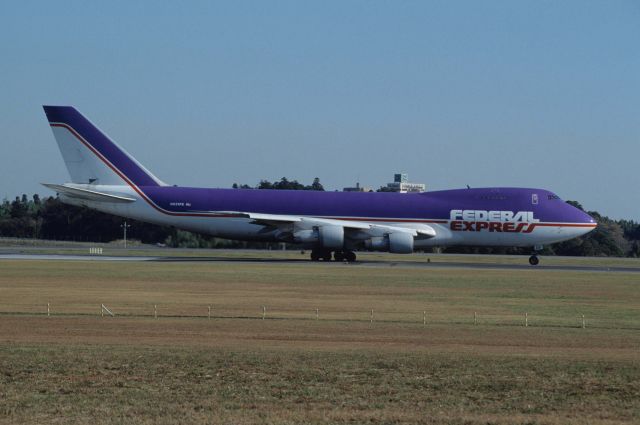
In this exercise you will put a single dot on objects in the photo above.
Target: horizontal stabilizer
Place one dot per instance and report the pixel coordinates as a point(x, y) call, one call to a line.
point(90, 195)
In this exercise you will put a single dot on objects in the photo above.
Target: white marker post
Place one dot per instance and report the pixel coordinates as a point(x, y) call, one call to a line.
point(526, 320)
point(584, 323)
point(155, 311)
point(124, 229)
point(104, 308)
point(371, 315)
point(264, 311)
point(316, 314)
point(209, 312)
point(48, 310)
point(475, 318)
point(424, 318)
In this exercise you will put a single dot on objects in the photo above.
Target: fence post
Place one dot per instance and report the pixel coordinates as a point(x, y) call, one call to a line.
point(424, 318)
point(475, 318)
point(48, 310)
point(264, 311)
point(316, 314)
point(526, 320)
point(155, 311)
point(209, 312)
point(584, 324)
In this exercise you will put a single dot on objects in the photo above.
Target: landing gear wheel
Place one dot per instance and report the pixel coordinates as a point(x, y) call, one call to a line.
point(338, 256)
point(350, 256)
point(533, 260)
point(315, 255)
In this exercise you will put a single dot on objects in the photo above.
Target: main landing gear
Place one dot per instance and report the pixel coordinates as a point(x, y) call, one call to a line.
point(533, 260)
point(325, 255)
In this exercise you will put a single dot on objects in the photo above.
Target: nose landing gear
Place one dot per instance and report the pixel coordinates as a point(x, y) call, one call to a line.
point(533, 260)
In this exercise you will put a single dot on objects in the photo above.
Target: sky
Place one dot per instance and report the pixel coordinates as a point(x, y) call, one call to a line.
point(541, 94)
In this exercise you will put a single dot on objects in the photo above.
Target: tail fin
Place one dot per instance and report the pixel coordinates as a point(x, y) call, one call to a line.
point(90, 155)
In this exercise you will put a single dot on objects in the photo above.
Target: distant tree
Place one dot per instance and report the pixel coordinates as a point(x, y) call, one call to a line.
point(576, 204)
point(265, 184)
point(316, 185)
point(631, 229)
point(285, 184)
point(18, 208)
point(242, 186)
point(5, 209)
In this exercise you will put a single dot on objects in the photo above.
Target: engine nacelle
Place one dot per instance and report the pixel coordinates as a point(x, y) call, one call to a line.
point(307, 236)
point(398, 243)
point(331, 237)
point(401, 243)
point(377, 243)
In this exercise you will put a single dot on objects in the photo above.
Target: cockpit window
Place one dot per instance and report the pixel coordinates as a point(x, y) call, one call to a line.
point(552, 197)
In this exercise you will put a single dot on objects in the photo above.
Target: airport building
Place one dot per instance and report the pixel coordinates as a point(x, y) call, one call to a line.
point(402, 184)
point(357, 188)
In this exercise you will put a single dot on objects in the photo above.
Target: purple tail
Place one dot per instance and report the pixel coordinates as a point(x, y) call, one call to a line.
point(90, 155)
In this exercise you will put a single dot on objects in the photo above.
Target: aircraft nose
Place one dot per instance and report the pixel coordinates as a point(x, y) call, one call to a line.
point(576, 215)
point(585, 222)
point(588, 219)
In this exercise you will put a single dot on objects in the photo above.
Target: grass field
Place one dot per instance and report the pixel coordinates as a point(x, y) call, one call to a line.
point(296, 367)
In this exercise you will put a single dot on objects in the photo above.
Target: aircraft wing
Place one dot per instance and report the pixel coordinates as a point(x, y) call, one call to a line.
point(278, 220)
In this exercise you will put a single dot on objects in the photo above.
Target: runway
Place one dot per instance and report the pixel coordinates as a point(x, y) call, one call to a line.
point(427, 264)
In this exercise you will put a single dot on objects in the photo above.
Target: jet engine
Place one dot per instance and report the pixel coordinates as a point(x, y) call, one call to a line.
point(396, 242)
point(331, 237)
point(327, 236)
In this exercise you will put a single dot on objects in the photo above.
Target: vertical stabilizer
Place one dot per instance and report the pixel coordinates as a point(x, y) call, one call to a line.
point(90, 155)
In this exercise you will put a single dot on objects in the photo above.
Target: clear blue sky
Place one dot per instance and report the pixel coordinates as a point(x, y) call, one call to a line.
point(486, 93)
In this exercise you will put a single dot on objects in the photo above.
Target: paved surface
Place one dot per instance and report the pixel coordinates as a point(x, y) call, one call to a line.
point(72, 257)
point(301, 261)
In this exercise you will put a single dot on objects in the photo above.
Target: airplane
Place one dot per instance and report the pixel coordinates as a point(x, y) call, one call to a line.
point(333, 225)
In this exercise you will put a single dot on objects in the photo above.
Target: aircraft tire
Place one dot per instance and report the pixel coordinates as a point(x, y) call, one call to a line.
point(338, 256)
point(315, 255)
point(534, 260)
point(350, 256)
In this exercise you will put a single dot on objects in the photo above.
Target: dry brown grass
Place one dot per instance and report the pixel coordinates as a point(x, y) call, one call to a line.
point(76, 367)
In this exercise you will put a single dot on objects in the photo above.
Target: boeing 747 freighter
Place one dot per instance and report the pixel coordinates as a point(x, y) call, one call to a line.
point(332, 224)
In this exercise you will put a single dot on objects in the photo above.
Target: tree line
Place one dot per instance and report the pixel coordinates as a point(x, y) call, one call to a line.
point(49, 218)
